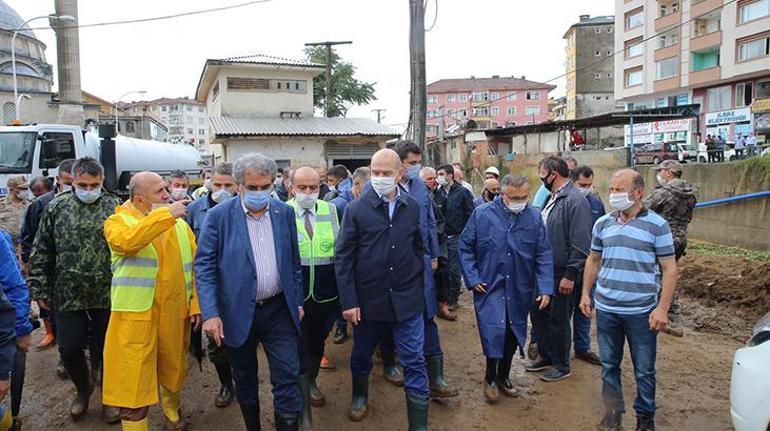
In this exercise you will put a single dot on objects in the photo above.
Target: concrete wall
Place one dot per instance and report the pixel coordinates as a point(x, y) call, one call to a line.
point(265, 103)
point(744, 223)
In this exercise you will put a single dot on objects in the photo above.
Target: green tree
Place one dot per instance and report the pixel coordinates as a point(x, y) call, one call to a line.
point(346, 89)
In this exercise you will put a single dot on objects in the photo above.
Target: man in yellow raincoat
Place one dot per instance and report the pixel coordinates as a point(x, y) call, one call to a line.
point(153, 304)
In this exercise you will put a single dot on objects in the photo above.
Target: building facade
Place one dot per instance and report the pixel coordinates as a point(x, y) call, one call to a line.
point(185, 119)
point(265, 104)
point(714, 53)
point(491, 102)
point(590, 67)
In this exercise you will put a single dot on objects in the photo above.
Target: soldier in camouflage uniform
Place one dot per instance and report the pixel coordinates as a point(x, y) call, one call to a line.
point(674, 199)
point(70, 267)
point(13, 206)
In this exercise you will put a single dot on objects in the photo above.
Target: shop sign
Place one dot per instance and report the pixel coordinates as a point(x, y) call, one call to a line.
point(729, 116)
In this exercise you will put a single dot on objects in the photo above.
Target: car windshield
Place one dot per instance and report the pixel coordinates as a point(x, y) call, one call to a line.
point(688, 147)
point(16, 151)
point(671, 148)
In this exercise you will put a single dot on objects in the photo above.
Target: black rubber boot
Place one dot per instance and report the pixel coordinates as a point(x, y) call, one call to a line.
point(391, 370)
point(317, 398)
point(645, 422)
point(503, 378)
point(491, 393)
point(306, 418)
point(250, 414)
point(225, 374)
point(417, 412)
point(439, 388)
point(286, 422)
point(359, 399)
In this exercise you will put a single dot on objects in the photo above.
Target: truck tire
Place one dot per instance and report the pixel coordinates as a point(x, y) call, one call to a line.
point(702, 159)
point(732, 158)
point(656, 160)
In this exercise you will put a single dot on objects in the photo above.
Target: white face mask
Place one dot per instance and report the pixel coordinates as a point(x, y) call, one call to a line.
point(620, 201)
point(660, 179)
point(221, 195)
point(307, 201)
point(25, 195)
point(383, 185)
point(585, 190)
point(207, 183)
point(178, 194)
point(442, 181)
point(517, 207)
point(66, 187)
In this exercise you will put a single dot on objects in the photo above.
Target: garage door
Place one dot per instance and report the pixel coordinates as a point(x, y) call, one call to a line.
point(335, 151)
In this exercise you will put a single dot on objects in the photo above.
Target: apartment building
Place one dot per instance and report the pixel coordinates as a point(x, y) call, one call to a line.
point(590, 67)
point(715, 53)
point(491, 102)
point(185, 118)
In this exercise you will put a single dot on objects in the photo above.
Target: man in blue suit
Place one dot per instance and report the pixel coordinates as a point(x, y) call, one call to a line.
point(506, 259)
point(411, 184)
point(249, 282)
point(221, 188)
point(380, 270)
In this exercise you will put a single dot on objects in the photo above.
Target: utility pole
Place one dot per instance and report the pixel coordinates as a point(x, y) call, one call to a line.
point(417, 69)
point(379, 114)
point(328, 93)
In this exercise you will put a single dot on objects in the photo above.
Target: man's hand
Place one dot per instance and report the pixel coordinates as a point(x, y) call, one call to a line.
point(543, 300)
point(566, 286)
point(585, 305)
point(195, 319)
point(179, 208)
point(480, 288)
point(5, 386)
point(433, 265)
point(301, 313)
point(213, 328)
point(42, 305)
point(352, 315)
point(658, 319)
point(22, 343)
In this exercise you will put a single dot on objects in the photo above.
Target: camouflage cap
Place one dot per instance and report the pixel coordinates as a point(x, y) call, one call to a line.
point(670, 165)
point(17, 181)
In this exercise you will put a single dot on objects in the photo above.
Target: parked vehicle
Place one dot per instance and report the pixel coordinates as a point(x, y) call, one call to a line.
point(750, 382)
point(703, 154)
point(656, 152)
point(37, 149)
point(687, 153)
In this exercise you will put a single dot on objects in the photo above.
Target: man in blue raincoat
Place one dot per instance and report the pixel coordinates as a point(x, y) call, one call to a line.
point(506, 260)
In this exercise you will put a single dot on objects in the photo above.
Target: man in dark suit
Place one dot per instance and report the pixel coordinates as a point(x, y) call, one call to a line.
point(249, 279)
point(379, 266)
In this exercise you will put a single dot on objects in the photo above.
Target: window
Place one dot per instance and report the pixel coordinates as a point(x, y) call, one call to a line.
point(174, 119)
point(432, 99)
point(451, 98)
point(463, 97)
point(763, 90)
point(511, 110)
point(511, 95)
point(756, 47)
point(633, 77)
point(682, 99)
point(667, 68)
point(56, 147)
point(751, 10)
point(743, 96)
point(189, 108)
point(174, 107)
point(431, 113)
point(480, 96)
point(188, 119)
point(201, 131)
point(462, 113)
point(215, 91)
point(450, 112)
point(164, 108)
point(634, 47)
point(495, 111)
point(533, 110)
point(480, 112)
point(668, 38)
point(533, 95)
point(130, 127)
point(718, 99)
point(495, 96)
point(634, 18)
point(202, 141)
point(189, 131)
point(201, 109)
point(705, 59)
point(201, 120)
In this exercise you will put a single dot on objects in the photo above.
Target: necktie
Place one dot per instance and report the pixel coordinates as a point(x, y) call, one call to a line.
point(308, 224)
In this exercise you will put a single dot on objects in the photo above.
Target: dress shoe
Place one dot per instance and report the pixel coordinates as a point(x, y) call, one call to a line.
point(225, 396)
point(589, 356)
point(341, 334)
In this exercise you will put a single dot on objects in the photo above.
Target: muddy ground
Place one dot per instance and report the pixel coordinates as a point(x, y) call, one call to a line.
point(722, 297)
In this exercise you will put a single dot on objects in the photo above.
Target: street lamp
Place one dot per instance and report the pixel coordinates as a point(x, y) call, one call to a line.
point(118, 101)
point(52, 17)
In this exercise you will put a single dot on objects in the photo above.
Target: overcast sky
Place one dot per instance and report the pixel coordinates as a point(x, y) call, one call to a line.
point(479, 37)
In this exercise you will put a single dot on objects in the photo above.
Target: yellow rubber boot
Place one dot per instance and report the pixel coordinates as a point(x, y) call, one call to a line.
point(141, 425)
point(170, 401)
point(6, 420)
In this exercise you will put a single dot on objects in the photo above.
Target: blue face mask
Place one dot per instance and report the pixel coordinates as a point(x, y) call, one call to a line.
point(256, 200)
point(413, 172)
point(88, 196)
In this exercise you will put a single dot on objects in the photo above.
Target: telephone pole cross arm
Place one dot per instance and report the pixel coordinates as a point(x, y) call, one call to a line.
point(328, 93)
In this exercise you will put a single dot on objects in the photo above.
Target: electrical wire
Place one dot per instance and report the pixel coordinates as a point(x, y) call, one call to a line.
point(489, 102)
point(157, 18)
point(435, 16)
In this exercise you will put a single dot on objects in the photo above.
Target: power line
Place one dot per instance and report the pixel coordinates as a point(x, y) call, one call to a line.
point(435, 16)
point(157, 18)
point(489, 102)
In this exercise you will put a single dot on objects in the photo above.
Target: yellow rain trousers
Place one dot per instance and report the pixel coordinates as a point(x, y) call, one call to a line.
point(145, 349)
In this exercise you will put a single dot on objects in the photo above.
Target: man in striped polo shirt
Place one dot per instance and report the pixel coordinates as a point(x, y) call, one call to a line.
point(632, 262)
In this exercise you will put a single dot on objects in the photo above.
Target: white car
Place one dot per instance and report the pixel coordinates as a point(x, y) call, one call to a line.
point(750, 383)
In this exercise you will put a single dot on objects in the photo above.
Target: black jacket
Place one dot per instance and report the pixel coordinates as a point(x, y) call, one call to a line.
point(31, 222)
point(569, 230)
point(455, 206)
point(378, 261)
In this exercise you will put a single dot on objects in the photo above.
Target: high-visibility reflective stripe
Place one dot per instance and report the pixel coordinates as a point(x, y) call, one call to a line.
point(188, 267)
point(307, 261)
point(133, 282)
point(140, 261)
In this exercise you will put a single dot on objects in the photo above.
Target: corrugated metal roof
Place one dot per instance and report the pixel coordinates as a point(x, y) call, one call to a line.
point(316, 126)
point(268, 59)
point(485, 84)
